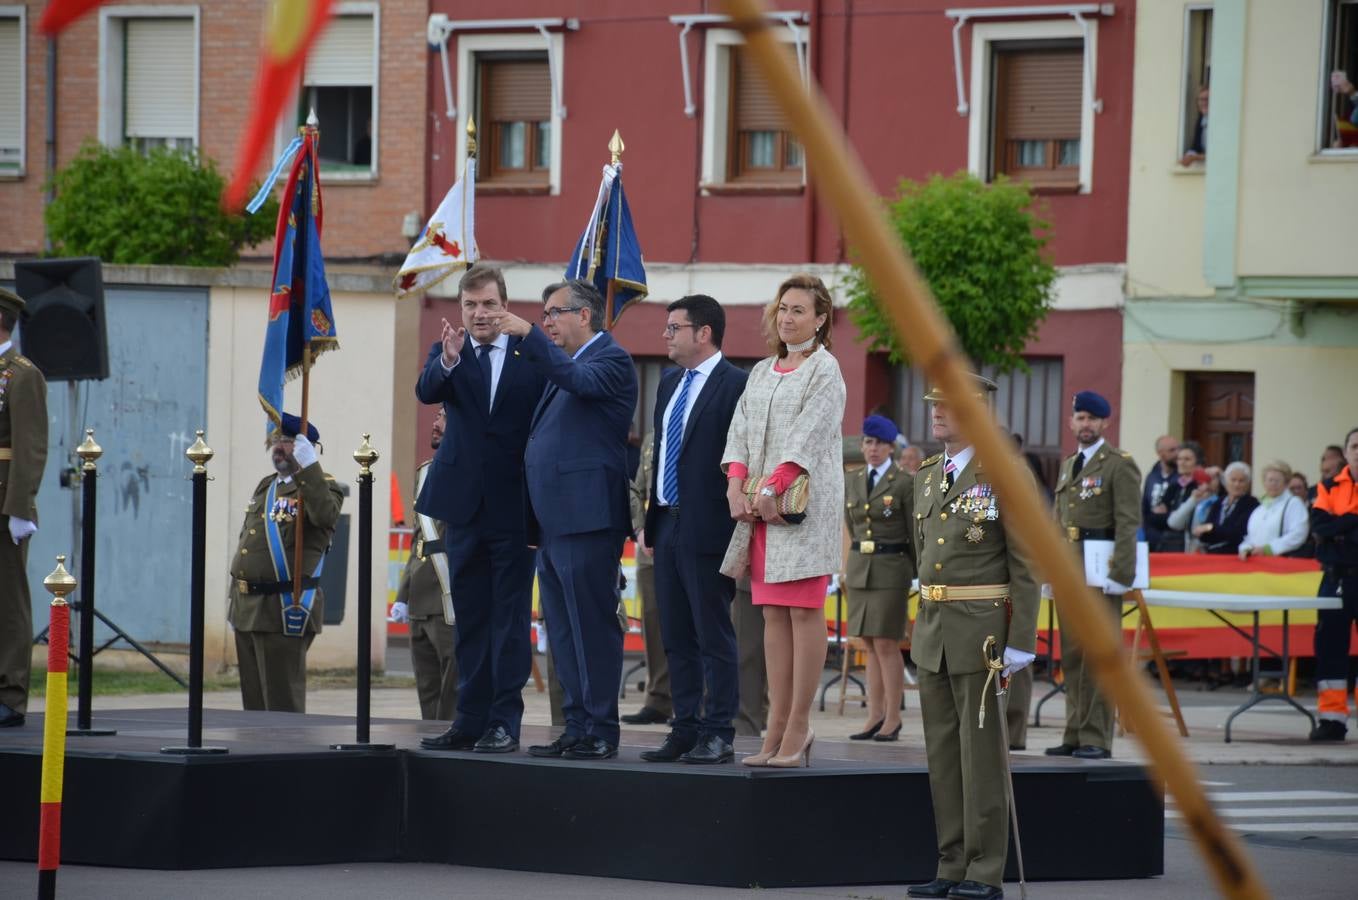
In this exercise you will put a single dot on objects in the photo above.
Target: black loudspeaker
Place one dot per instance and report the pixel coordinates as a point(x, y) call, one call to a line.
point(63, 321)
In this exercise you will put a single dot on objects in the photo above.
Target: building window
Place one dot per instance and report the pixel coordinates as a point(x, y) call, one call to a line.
point(12, 118)
point(514, 109)
point(148, 84)
point(1339, 107)
point(340, 84)
point(760, 148)
point(1036, 102)
point(1197, 77)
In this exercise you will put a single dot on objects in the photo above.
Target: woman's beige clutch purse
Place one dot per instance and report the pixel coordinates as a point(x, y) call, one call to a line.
point(791, 503)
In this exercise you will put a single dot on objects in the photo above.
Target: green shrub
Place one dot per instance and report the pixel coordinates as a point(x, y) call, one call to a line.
point(162, 208)
point(979, 247)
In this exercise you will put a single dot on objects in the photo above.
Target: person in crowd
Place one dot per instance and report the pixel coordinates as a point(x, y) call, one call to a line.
point(878, 568)
point(1098, 498)
point(910, 459)
point(1280, 524)
point(23, 438)
point(1224, 527)
point(1188, 459)
point(975, 584)
point(475, 486)
point(1297, 487)
point(1331, 461)
point(575, 469)
point(274, 631)
point(1196, 152)
point(1157, 482)
point(656, 707)
point(1196, 506)
point(787, 425)
point(425, 581)
point(1334, 522)
point(688, 526)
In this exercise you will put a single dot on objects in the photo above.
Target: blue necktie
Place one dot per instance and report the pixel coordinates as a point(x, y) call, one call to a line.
point(483, 358)
point(674, 439)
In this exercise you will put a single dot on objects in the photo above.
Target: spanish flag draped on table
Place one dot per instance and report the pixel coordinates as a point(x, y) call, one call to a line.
point(608, 254)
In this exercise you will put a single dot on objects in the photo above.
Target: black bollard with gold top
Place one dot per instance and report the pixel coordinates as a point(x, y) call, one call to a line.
point(89, 452)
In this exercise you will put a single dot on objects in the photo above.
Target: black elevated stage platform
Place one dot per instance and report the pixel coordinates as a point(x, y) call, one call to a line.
point(858, 815)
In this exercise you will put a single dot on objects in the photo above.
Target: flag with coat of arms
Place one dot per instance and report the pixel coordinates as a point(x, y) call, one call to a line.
point(448, 242)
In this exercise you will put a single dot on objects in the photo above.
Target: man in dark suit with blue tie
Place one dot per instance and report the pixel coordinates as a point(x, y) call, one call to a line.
point(475, 486)
point(576, 467)
point(689, 524)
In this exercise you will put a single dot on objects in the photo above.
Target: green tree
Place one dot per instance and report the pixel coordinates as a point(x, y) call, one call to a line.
point(979, 246)
point(162, 208)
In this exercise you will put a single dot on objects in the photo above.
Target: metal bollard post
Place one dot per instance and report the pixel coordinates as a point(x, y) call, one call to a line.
point(59, 584)
point(88, 451)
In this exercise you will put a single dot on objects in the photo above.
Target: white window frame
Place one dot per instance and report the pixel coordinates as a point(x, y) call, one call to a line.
point(112, 39)
point(980, 122)
point(468, 46)
point(717, 44)
point(21, 13)
point(1322, 94)
point(1184, 85)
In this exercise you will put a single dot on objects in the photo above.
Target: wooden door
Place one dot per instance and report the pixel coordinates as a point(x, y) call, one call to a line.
point(1219, 415)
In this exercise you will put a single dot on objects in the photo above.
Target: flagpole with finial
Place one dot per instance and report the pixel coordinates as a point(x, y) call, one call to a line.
point(470, 166)
point(615, 148)
point(311, 134)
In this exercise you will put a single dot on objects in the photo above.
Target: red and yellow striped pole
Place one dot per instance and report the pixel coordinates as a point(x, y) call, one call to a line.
point(59, 584)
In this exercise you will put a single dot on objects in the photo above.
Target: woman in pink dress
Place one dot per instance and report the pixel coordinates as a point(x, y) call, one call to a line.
point(788, 422)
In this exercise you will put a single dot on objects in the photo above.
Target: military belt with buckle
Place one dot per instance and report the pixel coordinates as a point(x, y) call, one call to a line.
point(1074, 534)
point(946, 593)
point(6, 453)
point(273, 587)
point(871, 548)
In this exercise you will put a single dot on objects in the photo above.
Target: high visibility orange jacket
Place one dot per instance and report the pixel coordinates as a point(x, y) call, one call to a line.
point(1334, 520)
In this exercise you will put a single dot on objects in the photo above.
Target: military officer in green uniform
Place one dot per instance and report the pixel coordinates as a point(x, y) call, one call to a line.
point(23, 453)
point(973, 585)
point(1098, 498)
point(878, 569)
point(273, 633)
point(657, 707)
point(420, 604)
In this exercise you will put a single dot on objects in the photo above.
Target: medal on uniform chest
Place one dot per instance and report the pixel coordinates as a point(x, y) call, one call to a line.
point(975, 533)
point(992, 512)
point(886, 504)
point(1090, 487)
point(4, 386)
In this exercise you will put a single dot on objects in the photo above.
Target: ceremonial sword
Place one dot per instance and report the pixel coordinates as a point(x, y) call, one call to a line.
point(994, 663)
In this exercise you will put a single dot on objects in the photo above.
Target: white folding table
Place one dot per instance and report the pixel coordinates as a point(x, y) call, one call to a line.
point(1219, 604)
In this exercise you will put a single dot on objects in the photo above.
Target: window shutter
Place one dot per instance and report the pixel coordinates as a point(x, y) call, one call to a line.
point(1043, 90)
point(343, 55)
point(519, 91)
point(756, 109)
point(160, 78)
point(11, 86)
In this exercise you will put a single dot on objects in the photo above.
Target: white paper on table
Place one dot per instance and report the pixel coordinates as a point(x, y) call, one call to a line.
point(1099, 555)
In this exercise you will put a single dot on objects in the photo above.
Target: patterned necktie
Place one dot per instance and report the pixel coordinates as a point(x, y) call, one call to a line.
point(949, 475)
point(674, 439)
point(872, 480)
point(1079, 464)
point(483, 359)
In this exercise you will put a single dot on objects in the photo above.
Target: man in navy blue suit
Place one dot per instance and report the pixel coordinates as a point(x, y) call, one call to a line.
point(689, 524)
point(475, 486)
point(578, 514)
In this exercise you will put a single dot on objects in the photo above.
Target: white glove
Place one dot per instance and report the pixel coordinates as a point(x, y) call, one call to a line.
point(1016, 661)
point(400, 613)
point(20, 528)
point(1112, 588)
point(1046, 592)
point(303, 451)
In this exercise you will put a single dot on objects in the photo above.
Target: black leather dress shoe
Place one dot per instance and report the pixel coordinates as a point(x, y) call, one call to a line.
point(669, 751)
point(1092, 753)
point(645, 716)
point(1060, 750)
point(975, 890)
point(452, 739)
point(939, 887)
point(556, 748)
point(709, 751)
point(591, 747)
point(497, 740)
point(9, 718)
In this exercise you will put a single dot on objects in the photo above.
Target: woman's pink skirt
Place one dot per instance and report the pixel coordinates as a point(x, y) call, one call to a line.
point(808, 593)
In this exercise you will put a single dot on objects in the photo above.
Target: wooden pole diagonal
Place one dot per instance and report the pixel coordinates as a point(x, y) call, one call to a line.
point(932, 344)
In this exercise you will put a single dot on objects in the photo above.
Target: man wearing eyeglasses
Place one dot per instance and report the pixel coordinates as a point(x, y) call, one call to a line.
point(578, 511)
point(475, 486)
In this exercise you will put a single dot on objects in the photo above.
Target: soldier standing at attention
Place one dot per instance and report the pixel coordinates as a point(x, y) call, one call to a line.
point(973, 585)
point(23, 453)
point(1098, 498)
point(420, 603)
point(879, 565)
point(272, 633)
point(657, 708)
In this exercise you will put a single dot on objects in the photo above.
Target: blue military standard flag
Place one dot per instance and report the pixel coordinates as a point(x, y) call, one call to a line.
point(608, 254)
point(301, 321)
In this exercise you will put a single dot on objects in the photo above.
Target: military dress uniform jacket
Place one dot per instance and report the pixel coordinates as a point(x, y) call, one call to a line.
point(321, 500)
point(880, 526)
point(419, 588)
point(1103, 502)
point(961, 540)
point(23, 435)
